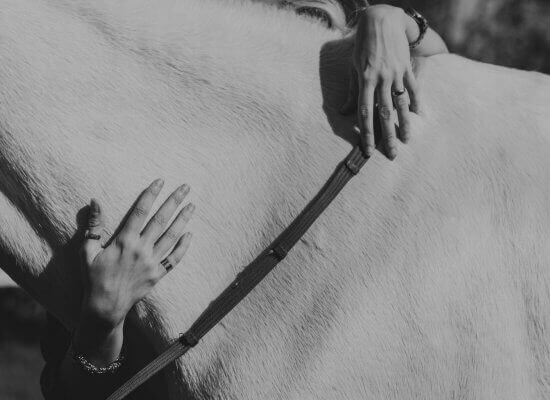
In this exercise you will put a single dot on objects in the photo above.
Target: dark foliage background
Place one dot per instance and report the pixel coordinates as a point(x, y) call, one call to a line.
point(514, 33)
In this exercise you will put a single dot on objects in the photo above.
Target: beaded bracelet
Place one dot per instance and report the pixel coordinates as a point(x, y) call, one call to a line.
point(91, 369)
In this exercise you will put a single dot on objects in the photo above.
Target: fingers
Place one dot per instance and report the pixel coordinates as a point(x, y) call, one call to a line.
point(156, 224)
point(177, 254)
point(353, 92)
point(94, 229)
point(385, 107)
point(141, 209)
point(365, 117)
point(174, 232)
point(414, 91)
point(401, 103)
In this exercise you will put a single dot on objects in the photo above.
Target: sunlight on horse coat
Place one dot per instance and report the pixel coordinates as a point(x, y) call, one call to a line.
point(428, 277)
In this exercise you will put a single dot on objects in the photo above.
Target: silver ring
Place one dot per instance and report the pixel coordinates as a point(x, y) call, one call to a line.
point(91, 236)
point(167, 265)
point(398, 92)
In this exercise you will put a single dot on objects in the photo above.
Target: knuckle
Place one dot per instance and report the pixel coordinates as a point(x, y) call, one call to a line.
point(173, 199)
point(401, 102)
point(385, 76)
point(151, 191)
point(142, 253)
point(172, 235)
point(364, 110)
point(147, 195)
point(140, 211)
point(94, 221)
point(175, 258)
point(385, 112)
point(413, 86)
point(158, 219)
point(368, 74)
point(125, 241)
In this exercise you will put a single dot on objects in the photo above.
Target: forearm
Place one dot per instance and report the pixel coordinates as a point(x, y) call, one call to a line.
point(430, 45)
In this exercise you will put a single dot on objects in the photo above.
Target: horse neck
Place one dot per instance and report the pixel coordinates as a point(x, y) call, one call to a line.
point(238, 109)
point(257, 140)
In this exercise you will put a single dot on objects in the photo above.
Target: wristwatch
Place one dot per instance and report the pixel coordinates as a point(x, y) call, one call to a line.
point(422, 25)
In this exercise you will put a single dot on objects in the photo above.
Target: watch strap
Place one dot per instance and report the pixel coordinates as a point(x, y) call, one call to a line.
point(422, 25)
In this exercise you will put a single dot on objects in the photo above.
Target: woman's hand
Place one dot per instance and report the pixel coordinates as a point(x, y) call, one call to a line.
point(118, 276)
point(382, 72)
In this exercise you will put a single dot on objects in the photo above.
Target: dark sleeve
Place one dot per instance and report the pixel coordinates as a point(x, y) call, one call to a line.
point(54, 344)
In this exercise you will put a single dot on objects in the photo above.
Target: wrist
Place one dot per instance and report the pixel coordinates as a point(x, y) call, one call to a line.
point(102, 312)
point(395, 16)
point(98, 341)
point(412, 30)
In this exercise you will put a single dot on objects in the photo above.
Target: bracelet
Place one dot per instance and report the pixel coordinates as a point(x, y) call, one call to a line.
point(422, 25)
point(91, 369)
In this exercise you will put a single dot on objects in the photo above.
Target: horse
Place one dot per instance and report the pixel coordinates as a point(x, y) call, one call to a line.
point(427, 277)
point(6, 281)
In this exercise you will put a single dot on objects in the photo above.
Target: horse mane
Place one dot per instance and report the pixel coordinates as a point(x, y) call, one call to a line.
point(342, 14)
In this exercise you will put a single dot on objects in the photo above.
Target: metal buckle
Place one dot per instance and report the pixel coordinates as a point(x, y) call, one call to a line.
point(354, 168)
point(188, 339)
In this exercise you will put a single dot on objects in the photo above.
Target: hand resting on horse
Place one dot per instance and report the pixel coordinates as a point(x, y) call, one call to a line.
point(115, 278)
point(383, 75)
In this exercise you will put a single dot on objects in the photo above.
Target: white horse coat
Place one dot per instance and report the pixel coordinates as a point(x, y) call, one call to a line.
point(427, 278)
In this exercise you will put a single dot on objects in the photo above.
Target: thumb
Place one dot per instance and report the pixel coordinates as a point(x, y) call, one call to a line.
point(94, 228)
point(353, 93)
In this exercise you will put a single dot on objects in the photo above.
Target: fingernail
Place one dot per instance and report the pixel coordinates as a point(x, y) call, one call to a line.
point(392, 153)
point(94, 207)
point(157, 184)
point(181, 192)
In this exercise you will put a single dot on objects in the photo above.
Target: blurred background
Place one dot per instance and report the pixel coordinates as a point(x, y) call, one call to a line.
point(513, 33)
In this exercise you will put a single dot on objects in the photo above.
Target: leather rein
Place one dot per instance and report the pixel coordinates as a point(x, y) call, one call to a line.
point(251, 275)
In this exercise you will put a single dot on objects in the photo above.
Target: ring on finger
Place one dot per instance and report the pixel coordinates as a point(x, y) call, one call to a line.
point(167, 265)
point(398, 92)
